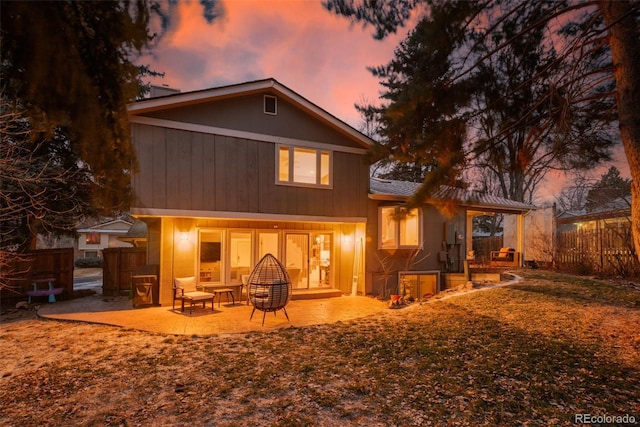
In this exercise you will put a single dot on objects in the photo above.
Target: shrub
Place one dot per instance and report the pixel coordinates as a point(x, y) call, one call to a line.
point(89, 262)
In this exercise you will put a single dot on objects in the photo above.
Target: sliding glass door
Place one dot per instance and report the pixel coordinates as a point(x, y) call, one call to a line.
point(320, 260)
point(296, 250)
point(308, 259)
point(268, 243)
point(240, 255)
point(211, 256)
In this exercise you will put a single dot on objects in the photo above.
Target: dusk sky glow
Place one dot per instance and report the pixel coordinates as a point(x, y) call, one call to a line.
point(321, 56)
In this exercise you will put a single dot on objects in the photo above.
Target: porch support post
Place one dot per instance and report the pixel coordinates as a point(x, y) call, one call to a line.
point(468, 235)
point(520, 236)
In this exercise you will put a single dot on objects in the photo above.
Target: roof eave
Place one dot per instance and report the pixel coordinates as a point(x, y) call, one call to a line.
point(474, 206)
point(387, 197)
point(195, 97)
point(499, 208)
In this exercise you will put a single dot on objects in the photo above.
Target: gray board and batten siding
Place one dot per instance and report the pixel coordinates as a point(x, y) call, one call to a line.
point(246, 113)
point(190, 170)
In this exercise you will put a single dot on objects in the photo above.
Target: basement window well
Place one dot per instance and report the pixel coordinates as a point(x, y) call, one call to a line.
point(419, 284)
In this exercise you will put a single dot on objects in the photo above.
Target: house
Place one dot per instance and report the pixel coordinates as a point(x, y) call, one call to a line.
point(615, 214)
point(92, 239)
point(599, 241)
point(229, 174)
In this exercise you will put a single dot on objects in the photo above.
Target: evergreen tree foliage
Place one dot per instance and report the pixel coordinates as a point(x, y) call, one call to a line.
point(423, 124)
point(68, 72)
point(70, 65)
point(479, 85)
point(590, 27)
point(610, 187)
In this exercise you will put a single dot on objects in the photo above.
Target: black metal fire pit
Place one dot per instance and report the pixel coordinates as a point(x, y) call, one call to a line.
point(269, 287)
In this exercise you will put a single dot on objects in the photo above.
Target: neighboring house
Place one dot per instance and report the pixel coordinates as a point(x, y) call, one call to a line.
point(599, 241)
point(615, 214)
point(229, 174)
point(93, 239)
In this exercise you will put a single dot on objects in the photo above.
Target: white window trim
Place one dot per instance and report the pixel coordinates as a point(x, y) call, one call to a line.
point(293, 183)
point(398, 229)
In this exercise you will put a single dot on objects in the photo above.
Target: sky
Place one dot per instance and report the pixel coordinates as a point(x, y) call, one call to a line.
point(315, 53)
point(321, 56)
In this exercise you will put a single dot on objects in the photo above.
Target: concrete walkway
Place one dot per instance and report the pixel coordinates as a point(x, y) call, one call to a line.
point(226, 319)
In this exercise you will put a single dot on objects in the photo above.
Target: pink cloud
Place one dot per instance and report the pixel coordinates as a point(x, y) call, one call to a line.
point(299, 43)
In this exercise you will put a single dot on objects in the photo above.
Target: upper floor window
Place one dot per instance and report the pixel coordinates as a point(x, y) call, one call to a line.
point(400, 229)
point(93, 239)
point(304, 166)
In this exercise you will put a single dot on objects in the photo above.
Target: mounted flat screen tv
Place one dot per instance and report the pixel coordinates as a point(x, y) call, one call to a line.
point(209, 251)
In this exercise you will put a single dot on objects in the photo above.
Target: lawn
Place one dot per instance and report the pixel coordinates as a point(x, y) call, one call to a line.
point(534, 353)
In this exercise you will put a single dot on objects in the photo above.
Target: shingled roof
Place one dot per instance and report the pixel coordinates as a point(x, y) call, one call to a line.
point(388, 189)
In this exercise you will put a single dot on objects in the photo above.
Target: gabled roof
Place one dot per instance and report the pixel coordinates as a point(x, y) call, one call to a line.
point(388, 189)
point(207, 95)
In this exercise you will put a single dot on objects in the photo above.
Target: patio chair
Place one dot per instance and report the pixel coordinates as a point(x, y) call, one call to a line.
point(184, 289)
point(269, 287)
point(273, 297)
point(505, 257)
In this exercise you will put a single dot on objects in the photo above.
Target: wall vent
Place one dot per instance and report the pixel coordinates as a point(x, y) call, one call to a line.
point(270, 105)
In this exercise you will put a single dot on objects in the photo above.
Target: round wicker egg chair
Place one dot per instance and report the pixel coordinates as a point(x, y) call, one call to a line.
point(269, 287)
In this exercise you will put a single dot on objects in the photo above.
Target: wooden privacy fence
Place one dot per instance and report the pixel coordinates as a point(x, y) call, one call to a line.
point(39, 264)
point(118, 267)
point(606, 251)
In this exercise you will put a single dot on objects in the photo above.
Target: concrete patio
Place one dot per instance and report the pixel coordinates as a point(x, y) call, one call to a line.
point(226, 319)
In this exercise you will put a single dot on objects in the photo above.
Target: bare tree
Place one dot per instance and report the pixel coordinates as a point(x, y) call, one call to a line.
point(574, 196)
point(38, 194)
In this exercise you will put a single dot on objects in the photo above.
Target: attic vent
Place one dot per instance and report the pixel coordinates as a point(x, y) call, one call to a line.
point(270, 105)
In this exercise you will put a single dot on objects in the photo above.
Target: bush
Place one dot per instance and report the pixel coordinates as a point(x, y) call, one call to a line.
point(89, 262)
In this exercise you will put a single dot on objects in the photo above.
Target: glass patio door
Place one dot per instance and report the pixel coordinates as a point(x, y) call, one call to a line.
point(320, 260)
point(240, 255)
point(308, 259)
point(268, 243)
point(296, 255)
point(211, 256)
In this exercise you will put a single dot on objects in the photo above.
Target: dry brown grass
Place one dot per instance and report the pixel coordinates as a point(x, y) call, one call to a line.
point(534, 353)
